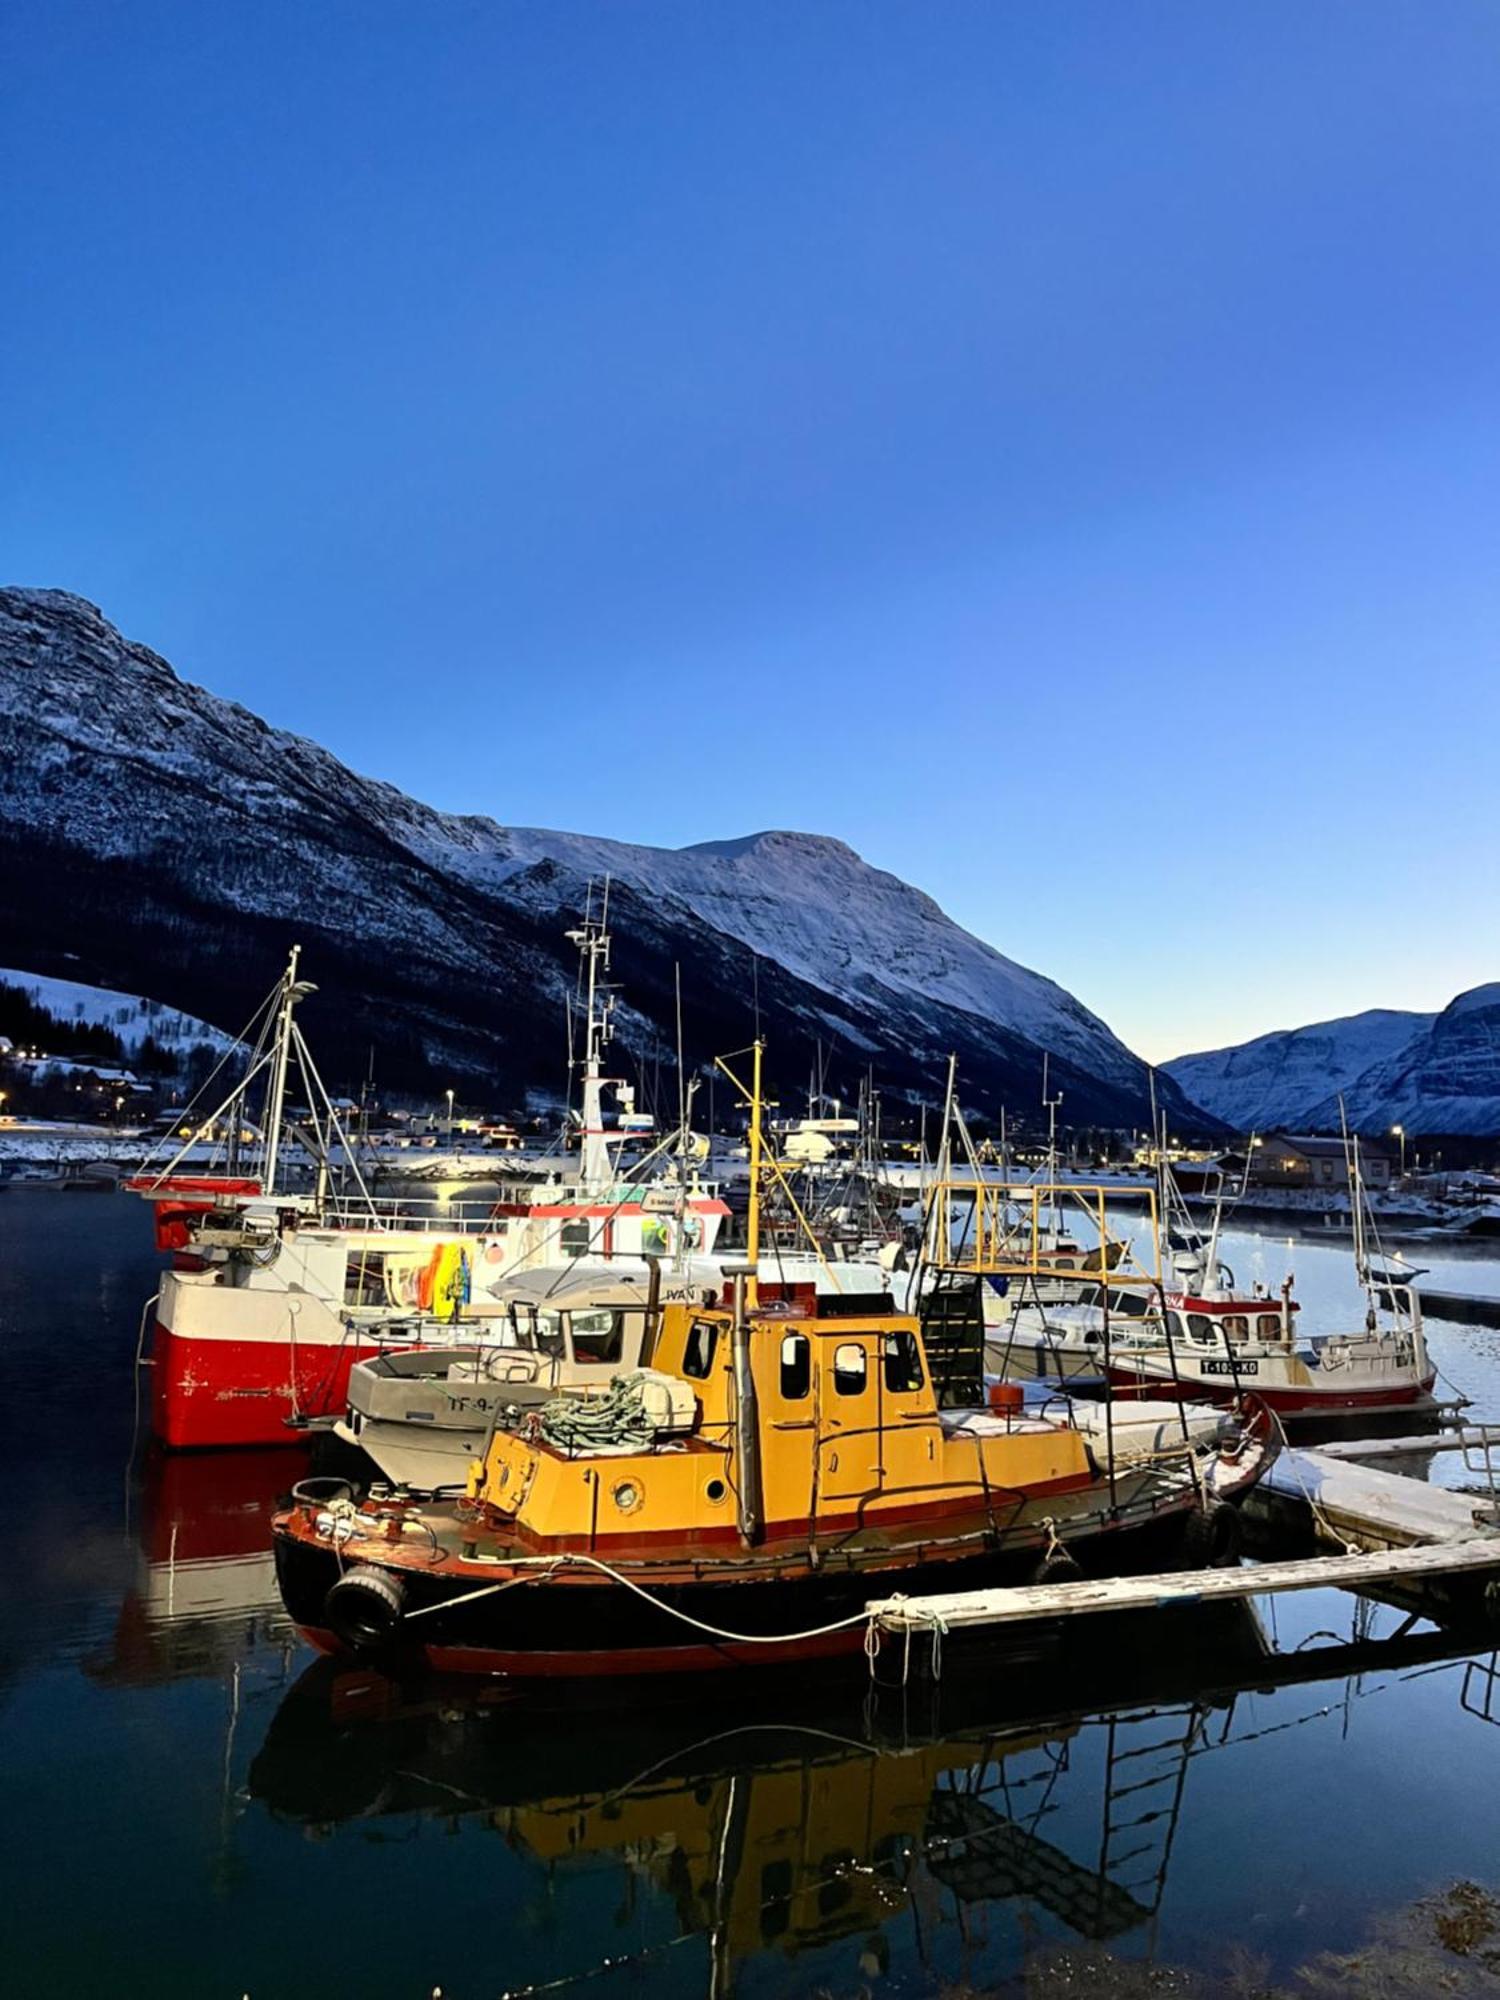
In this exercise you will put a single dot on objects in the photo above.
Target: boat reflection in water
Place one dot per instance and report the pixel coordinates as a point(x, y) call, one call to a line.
point(204, 1594)
point(1038, 1789)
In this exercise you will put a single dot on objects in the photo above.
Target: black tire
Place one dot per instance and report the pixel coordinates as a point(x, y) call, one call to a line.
point(1057, 1566)
point(1213, 1536)
point(364, 1609)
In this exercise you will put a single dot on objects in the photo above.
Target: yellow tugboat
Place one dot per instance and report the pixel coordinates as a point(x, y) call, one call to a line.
point(740, 1497)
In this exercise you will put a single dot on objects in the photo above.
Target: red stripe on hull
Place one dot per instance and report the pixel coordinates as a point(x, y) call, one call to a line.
point(694, 1659)
point(1295, 1402)
point(244, 1392)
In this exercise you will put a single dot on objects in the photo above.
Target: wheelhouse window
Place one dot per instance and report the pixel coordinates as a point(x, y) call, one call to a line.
point(598, 1337)
point(364, 1278)
point(796, 1366)
point(850, 1368)
point(1237, 1326)
point(903, 1363)
point(1268, 1326)
point(698, 1356)
point(1200, 1326)
point(574, 1238)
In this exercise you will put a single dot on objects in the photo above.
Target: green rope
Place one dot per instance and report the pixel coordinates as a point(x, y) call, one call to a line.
point(617, 1418)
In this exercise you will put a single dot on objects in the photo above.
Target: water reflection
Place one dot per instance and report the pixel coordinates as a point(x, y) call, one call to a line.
point(1031, 1793)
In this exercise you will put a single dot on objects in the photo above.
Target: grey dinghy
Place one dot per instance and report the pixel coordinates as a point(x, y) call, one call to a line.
point(422, 1414)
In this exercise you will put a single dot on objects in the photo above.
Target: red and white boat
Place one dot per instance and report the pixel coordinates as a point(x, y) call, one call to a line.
point(1210, 1340)
point(273, 1295)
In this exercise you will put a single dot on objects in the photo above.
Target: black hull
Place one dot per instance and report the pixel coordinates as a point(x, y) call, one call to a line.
point(586, 1625)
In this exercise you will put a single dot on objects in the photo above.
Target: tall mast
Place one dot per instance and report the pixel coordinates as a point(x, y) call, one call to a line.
point(752, 1220)
point(593, 944)
point(291, 992)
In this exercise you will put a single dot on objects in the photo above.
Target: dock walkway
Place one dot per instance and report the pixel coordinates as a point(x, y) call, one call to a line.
point(953, 1610)
point(1394, 1532)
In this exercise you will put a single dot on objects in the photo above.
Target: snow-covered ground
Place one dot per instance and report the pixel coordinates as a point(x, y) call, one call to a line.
point(127, 1015)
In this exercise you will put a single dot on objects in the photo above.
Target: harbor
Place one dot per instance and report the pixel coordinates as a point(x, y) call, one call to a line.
point(909, 1831)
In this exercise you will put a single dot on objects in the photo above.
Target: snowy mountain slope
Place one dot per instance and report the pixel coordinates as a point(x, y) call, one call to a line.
point(1279, 1079)
point(1431, 1073)
point(1446, 1080)
point(172, 841)
point(127, 1015)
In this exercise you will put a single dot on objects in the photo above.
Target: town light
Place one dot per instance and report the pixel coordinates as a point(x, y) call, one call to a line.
point(1398, 1132)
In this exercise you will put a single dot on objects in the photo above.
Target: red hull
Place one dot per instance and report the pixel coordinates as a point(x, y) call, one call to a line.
point(1287, 1402)
point(208, 1393)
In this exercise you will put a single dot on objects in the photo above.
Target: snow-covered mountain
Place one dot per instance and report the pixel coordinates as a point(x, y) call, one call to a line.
point(155, 836)
point(1431, 1073)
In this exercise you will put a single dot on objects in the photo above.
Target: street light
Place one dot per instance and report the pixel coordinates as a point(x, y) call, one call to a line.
point(450, 1117)
point(1399, 1132)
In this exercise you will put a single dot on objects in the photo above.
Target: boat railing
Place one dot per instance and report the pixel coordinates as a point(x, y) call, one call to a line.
point(435, 1215)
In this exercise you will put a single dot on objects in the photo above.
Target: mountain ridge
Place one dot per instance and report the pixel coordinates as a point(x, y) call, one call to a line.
point(182, 835)
point(1433, 1073)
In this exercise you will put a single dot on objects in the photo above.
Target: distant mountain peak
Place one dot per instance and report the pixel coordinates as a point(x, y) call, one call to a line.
point(1431, 1073)
point(437, 938)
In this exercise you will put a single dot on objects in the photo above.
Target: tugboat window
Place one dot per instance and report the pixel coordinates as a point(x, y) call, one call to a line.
point(796, 1366)
point(849, 1366)
point(903, 1363)
point(699, 1355)
point(598, 1336)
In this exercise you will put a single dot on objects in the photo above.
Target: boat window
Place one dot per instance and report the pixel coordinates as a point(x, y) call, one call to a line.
point(1174, 1325)
point(1268, 1326)
point(903, 1363)
point(364, 1278)
point(537, 1330)
point(698, 1356)
point(849, 1366)
point(598, 1337)
point(796, 1365)
point(1237, 1326)
point(1200, 1326)
point(1134, 1305)
point(575, 1238)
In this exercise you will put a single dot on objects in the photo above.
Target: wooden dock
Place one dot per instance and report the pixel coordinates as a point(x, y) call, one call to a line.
point(955, 1610)
point(1367, 1508)
point(1396, 1535)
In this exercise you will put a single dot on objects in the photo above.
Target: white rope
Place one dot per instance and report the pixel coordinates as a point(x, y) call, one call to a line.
point(554, 1563)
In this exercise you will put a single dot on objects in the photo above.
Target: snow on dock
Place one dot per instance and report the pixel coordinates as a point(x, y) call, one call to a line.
point(954, 1610)
point(1393, 1531)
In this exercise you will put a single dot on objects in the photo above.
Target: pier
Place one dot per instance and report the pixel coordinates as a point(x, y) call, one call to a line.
point(1396, 1536)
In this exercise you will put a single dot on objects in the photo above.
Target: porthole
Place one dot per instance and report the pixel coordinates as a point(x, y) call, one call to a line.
point(715, 1491)
point(627, 1496)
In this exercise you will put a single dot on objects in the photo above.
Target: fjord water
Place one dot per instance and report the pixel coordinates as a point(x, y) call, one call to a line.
point(193, 1806)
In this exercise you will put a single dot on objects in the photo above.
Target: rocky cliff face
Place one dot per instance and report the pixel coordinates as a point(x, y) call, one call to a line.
point(156, 838)
point(1431, 1073)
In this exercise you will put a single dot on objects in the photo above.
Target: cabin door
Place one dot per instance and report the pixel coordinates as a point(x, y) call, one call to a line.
point(850, 1469)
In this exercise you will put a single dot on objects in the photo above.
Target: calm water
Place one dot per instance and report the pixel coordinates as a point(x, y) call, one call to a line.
point(191, 1805)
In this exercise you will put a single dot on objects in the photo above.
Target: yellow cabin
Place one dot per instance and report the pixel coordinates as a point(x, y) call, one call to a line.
point(836, 1429)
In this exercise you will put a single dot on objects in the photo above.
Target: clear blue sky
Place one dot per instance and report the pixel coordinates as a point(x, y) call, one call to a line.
point(1053, 447)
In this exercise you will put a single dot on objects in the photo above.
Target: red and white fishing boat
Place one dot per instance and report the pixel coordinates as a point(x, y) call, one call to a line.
point(1209, 1339)
point(274, 1293)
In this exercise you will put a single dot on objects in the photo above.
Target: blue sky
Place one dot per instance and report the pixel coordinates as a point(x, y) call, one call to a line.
point(1051, 446)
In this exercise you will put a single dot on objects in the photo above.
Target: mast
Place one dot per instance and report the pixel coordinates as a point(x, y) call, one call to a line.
point(595, 1171)
point(291, 993)
point(752, 1219)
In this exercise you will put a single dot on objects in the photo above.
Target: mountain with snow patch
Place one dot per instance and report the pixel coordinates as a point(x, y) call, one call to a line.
point(158, 838)
point(1435, 1074)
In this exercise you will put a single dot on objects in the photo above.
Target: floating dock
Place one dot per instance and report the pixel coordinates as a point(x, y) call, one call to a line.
point(955, 1610)
point(1398, 1537)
